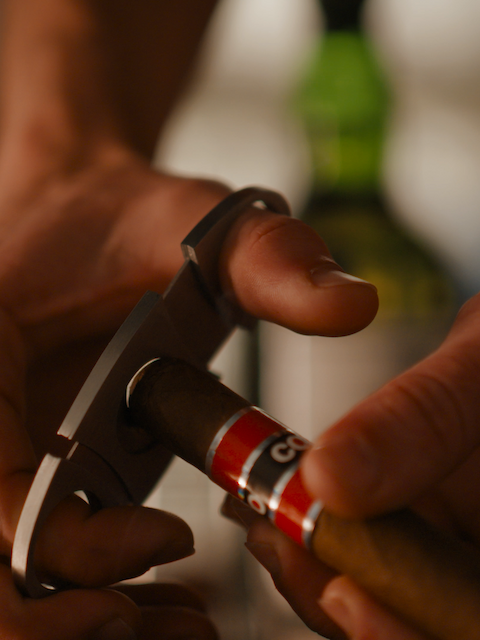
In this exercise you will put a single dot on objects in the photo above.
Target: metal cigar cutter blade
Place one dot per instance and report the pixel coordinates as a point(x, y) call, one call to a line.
point(112, 461)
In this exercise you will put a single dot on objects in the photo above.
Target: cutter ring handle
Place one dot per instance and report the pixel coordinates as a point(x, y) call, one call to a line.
point(203, 245)
point(56, 479)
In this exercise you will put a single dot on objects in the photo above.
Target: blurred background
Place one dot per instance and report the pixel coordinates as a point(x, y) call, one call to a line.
point(366, 116)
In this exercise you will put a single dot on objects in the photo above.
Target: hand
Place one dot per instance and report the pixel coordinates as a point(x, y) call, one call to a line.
point(149, 611)
point(297, 574)
point(61, 298)
point(413, 443)
point(77, 255)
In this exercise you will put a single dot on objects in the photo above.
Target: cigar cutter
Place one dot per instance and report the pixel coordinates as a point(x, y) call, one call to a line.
point(110, 460)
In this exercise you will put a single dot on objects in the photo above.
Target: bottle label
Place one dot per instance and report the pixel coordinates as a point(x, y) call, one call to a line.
point(256, 459)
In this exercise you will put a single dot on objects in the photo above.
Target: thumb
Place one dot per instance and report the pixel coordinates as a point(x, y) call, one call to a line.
point(408, 436)
point(277, 268)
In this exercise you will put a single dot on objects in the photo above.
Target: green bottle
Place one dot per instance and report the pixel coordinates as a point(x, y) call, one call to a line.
point(344, 104)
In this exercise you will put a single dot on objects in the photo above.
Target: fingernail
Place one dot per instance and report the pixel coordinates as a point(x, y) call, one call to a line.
point(116, 629)
point(349, 460)
point(238, 512)
point(267, 556)
point(329, 274)
point(337, 609)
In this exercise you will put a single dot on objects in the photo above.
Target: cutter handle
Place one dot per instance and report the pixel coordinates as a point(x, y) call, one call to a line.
point(57, 479)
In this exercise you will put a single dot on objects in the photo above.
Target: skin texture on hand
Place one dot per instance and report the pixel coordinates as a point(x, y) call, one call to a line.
point(414, 440)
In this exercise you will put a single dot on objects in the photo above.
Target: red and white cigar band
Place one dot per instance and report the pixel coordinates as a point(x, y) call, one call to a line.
point(256, 459)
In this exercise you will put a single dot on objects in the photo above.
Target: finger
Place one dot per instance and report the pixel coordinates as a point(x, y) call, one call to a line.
point(72, 615)
point(277, 268)
point(176, 623)
point(166, 594)
point(361, 617)
point(111, 545)
point(407, 437)
point(170, 611)
point(297, 575)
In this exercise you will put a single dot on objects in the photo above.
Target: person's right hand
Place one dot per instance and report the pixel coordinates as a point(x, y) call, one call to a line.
point(414, 443)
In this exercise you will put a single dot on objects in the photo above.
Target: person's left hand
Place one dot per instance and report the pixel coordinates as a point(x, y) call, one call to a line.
point(78, 251)
point(125, 612)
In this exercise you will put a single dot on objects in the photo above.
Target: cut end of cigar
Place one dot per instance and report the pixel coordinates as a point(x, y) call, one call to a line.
point(183, 407)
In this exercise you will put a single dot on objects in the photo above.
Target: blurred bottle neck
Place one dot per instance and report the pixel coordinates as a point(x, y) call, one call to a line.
point(344, 105)
point(342, 15)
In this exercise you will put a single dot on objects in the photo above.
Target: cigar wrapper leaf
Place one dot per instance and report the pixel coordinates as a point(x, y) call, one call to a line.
point(424, 576)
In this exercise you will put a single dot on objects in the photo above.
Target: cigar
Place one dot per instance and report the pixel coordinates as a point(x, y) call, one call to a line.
point(425, 576)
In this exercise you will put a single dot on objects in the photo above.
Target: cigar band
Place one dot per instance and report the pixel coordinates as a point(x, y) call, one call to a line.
point(256, 459)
